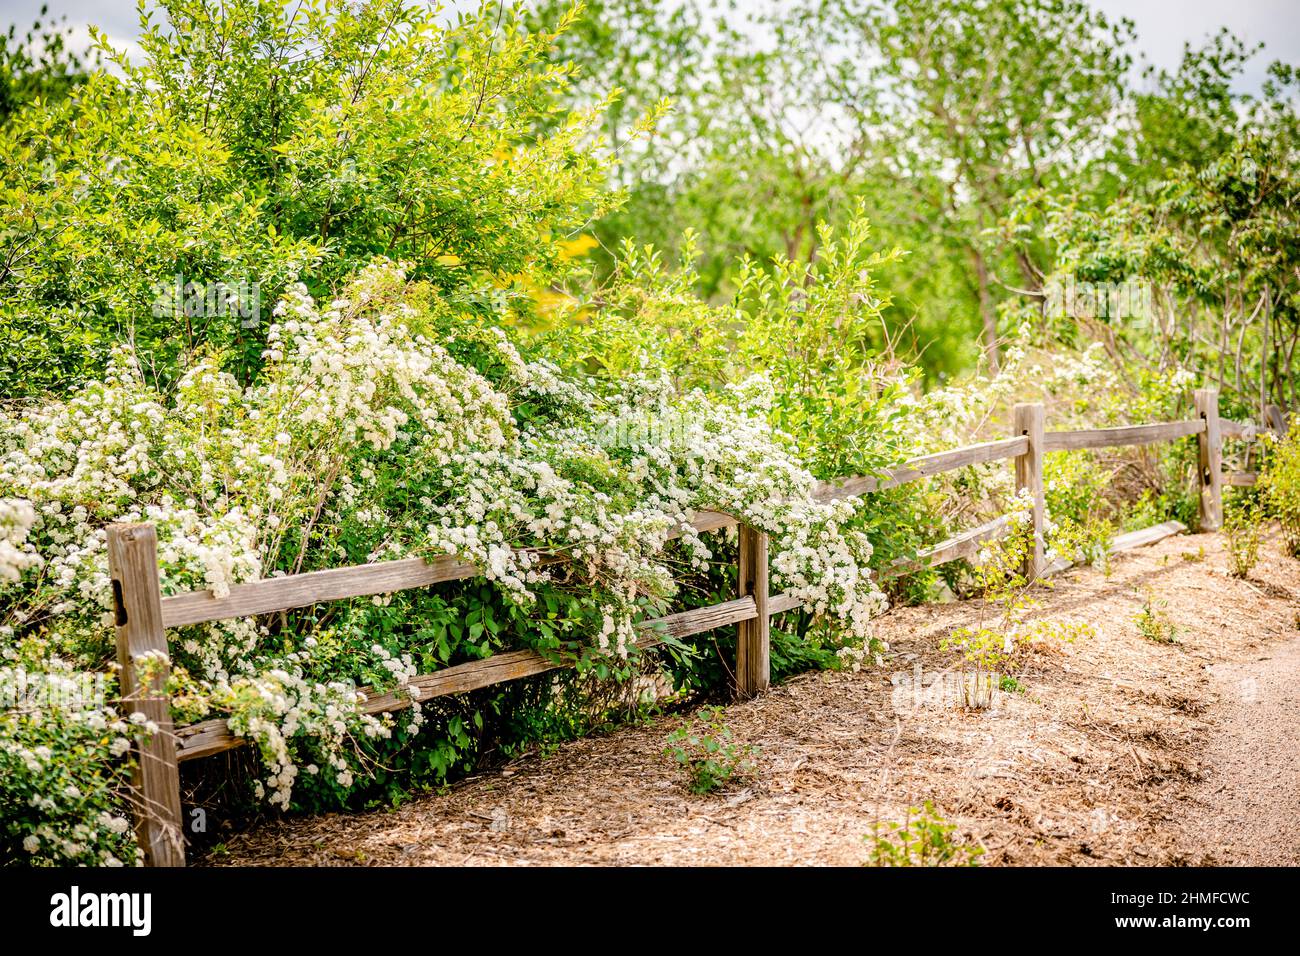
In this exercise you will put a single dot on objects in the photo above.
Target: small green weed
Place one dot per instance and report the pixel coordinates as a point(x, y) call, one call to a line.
point(1243, 528)
point(924, 838)
point(706, 750)
point(1153, 621)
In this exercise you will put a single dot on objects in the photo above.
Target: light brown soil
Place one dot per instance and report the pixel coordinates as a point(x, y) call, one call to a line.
point(1246, 809)
point(1121, 751)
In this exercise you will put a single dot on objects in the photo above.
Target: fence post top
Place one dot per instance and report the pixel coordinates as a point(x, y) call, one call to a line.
point(129, 529)
point(1029, 416)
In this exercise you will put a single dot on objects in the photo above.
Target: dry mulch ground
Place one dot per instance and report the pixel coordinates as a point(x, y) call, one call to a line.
point(1120, 751)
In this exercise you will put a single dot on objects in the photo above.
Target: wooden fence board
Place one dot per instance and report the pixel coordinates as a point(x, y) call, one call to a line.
point(924, 467)
point(1209, 444)
point(214, 736)
point(133, 567)
point(753, 654)
point(1243, 431)
point(1145, 536)
point(1125, 435)
point(1127, 542)
point(362, 580)
point(1029, 421)
point(314, 587)
point(959, 547)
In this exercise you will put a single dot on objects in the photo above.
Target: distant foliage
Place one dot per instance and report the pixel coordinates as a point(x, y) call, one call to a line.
point(39, 64)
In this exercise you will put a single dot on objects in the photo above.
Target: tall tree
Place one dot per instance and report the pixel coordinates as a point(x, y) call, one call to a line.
point(968, 102)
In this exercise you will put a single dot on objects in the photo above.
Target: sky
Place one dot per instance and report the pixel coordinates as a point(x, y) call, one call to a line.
point(1163, 26)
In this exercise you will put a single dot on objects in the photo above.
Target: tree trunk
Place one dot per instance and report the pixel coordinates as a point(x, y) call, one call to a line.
point(1269, 358)
point(988, 314)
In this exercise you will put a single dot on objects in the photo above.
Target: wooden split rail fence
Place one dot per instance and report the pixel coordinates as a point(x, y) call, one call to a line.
point(143, 615)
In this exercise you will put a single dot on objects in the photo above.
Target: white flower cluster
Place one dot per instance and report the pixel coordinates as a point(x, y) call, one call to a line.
point(279, 705)
point(40, 750)
point(16, 554)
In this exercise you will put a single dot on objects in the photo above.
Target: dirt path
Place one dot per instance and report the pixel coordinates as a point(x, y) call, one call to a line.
point(1247, 808)
point(1120, 751)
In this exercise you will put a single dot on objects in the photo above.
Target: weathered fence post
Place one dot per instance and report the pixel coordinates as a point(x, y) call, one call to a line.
point(1209, 460)
point(1275, 419)
point(133, 565)
point(1028, 421)
point(753, 658)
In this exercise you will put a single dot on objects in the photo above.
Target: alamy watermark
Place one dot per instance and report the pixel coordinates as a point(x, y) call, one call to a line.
point(79, 908)
point(241, 299)
point(948, 689)
point(74, 693)
point(1129, 300)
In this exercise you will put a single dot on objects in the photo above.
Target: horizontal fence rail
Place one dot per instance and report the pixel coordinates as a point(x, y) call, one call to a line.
point(143, 615)
point(1243, 431)
point(214, 736)
point(959, 547)
point(925, 467)
point(362, 580)
point(1126, 435)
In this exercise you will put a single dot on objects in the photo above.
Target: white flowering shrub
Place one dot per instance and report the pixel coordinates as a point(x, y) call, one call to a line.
point(61, 746)
point(62, 769)
point(798, 341)
point(16, 553)
point(386, 424)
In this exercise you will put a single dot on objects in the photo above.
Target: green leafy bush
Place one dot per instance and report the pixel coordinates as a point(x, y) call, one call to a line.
point(63, 772)
point(1280, 487)
point(806, 328)
point(1243, 530)
point(38, 64)
point(137, 208)
point(803, 334)
point(1075, 488)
